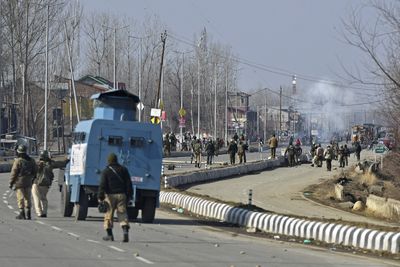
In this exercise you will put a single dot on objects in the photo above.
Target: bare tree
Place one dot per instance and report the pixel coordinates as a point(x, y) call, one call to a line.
point(379, 40)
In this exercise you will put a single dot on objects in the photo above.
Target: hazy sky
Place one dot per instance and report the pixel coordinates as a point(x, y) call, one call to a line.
point(300, 36)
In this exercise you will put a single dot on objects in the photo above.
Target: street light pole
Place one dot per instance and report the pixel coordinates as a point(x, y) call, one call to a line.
point(115, 56)
point(215, 102)
point(140, 79)
point(198, 97)
point(226, 105)
point(46, 79)
point(280, 112)
point(182, 80)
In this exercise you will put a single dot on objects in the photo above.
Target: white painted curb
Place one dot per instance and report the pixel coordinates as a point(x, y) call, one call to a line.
point(284, 225)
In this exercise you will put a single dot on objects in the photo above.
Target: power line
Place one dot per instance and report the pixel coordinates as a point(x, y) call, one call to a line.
point(277, 71)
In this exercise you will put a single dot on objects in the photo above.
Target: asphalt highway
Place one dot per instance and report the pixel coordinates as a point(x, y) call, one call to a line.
point(173, 240)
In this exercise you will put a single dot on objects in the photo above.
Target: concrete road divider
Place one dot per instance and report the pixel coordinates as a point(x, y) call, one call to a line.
point(330, 233)
point(220, 173)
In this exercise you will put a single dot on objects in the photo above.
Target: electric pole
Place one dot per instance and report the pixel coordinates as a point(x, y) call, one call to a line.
point(280, 112)
point(163, 39)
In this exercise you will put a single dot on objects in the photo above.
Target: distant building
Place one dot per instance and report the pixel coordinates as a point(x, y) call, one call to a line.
point(238, 106)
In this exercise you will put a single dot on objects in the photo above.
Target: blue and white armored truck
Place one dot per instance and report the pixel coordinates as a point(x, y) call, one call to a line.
point(138, 145)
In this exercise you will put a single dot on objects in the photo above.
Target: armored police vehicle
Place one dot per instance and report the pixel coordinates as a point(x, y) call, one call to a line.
point(138, 145)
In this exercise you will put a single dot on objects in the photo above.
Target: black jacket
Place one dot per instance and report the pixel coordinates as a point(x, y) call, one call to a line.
point(110, 183)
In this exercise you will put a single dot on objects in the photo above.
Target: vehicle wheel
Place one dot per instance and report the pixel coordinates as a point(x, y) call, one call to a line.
point(81, 208)
point(149, 210)
point(66, 206)
point(132, 213)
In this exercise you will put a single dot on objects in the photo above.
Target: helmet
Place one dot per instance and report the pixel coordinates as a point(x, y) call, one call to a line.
point(44, 154)
point(21, 149)
point(103, 207)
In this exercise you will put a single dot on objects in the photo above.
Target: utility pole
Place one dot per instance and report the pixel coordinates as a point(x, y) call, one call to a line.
point(140, 78)
point(226, 105)
point(280, 112)
point(198, 96)
point(115, 59)
point(258, 123)
point(46, 80)
point(72, 73)
point(266, 117)
point(163, 39)
point(215, 102)
point(182, 80)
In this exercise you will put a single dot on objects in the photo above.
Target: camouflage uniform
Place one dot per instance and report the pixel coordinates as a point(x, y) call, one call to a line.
point(197, 152)
point(43, 181)
point(22, 174)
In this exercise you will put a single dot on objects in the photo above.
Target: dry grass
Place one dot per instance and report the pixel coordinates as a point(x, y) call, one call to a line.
point(368, 179)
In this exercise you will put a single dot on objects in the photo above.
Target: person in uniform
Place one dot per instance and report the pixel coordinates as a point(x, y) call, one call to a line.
point(346, 155)
point(22, 174)
point(290, 150)
point(242, 152)
point(341, 156)
point(210, 149)
point(192, 143)
point(273, 144)
point(167, 146)
point(42, 182)
point(116, 189)
point(232, 150)
point(329, 155)
point(197, 149)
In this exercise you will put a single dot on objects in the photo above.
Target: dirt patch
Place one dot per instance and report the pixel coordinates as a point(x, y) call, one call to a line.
point(357, 186)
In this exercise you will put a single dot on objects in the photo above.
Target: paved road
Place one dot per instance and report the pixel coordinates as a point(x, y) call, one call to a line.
point(280, 190)
point(171, 241)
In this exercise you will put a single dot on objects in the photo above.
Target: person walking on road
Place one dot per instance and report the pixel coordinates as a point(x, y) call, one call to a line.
point(210, 149)
point(290, 150)
point(43, 181)
point(328, 154)
point(319, 156)
point(242, 152)
point(341, 156)
point(273, 144)
point(192, 143)
point(232, 150)
point(358, 150)
point(116, 190)
point(167, 146)
point(197, 152)
point(23, 172)
point(346, 155)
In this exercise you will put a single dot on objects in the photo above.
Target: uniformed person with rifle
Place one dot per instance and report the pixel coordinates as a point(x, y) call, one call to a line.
point(116, 190)
point(22, 174)
point(43, 181)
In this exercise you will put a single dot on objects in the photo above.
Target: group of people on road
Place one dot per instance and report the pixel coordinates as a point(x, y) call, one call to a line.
point(333, 152)
point(238, 145)
point(31, 179)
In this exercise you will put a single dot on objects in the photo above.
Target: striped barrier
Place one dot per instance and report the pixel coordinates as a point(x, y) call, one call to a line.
point(278, 224)
point(220, 173)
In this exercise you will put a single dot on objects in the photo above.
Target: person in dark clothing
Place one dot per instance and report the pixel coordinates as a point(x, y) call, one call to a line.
point(210, 149)
point(116, 189)
point(358, 150)
point(232, 150)
point(290, 150)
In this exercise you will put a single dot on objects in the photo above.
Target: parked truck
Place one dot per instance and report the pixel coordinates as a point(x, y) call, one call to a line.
point(138, 145)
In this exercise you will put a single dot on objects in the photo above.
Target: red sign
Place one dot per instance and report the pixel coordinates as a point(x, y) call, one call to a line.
point(163, 115)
